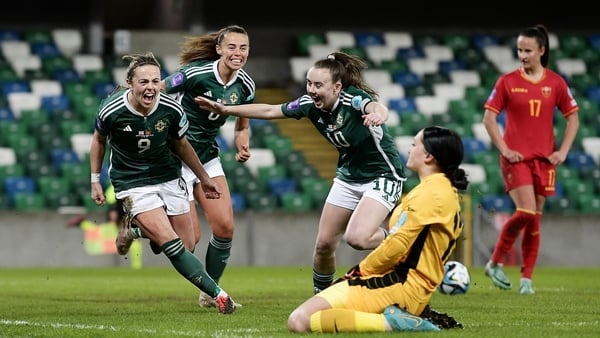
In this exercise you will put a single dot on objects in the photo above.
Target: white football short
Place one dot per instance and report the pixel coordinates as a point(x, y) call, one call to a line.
point(213, 169)
point(172, 195)
point(347, 195)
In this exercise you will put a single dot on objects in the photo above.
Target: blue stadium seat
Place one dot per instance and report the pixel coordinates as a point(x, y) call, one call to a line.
point(580, 160)
point(238, 202)
point(17, 86)
point(402, 105)
point(496, 203)
point(405, 53)
point(45, 49)
point(365, 39)
point(63, 155)
point(55, 103)
point(473, 146)
point(278, 186)
point(407, 79)
point(447, 66)
point(6, 115)
point(15, 185)
point(67, 75)
point(481, 40)
point(7, 34)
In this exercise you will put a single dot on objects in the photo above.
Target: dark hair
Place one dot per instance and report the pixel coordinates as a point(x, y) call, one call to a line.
point(135, 61)
point(540, 34)
point(347, 69)
point(203, 47)
point(138, 60)
point(447, 148)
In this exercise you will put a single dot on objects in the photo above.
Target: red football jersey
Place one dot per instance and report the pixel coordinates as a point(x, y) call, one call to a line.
point(530, 108)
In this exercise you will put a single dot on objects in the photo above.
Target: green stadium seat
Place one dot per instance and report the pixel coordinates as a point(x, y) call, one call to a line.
point(10, 131)
point(306, 39)
point(572, 44)
point(296, 202)
point(56, 199)
point(37, 35)
point(29, 202)
point(40, 169)
point(270, 172)
point(33, 117)
point(279, 144)
point(317, 188)
point(456, 41)
point(49, 184)
point(588, 204)
point(261, 201)
point(561, 206)
point(301, 170)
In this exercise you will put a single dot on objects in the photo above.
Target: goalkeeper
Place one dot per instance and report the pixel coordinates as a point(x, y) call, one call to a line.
point(390, 289)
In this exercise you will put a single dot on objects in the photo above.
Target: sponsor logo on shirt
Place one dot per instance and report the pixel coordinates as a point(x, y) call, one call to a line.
point(293, 105)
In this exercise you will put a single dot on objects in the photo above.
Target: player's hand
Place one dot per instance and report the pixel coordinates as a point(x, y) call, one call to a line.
point(211, 190)
point(208, 104)
point(97, 193)
point(354, 272)
point(243, 154)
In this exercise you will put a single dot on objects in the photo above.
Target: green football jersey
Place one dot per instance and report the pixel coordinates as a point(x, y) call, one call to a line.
point(201, 78)
point(139, 150)
point(365, 153)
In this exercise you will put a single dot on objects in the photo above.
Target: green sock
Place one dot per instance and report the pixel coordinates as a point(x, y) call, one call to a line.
point(138, 232)
point(189, 266)
point(217, 256)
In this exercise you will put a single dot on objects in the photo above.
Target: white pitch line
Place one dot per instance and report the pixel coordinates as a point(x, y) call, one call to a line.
point(85, 327)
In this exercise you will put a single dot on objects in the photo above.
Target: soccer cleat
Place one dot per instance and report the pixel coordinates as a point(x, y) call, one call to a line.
point(224, 303)
point(400, 320)
point(496, 273)
point(124, 240)
point(204, 300)
point(525, 288)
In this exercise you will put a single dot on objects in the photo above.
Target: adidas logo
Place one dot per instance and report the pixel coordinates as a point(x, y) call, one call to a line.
point(208, 94)
point(128, 128)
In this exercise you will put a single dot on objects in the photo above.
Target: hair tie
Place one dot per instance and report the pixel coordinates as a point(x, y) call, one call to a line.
point(331, 57)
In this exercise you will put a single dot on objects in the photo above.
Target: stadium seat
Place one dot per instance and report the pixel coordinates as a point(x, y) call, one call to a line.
point(53, 104)
point(262, 201)
point(378, 54)
point(465, 78)
point(306, 39)
point(475, 172)
point(404, 144)
point(19, 101)
point(496, 203)
point(389, 92)
point(261, 157)
point(266, 173)
point(591, 146)
point(588, 204)
point(296, 202)
point(482, 40)
point(338, 39)
point(299, 65)
point(238, 202)
point(67, 75)
point(278, 144)
point(561, 205)
point(429, 104)
point(422, 66)
point(299, 170)
point(15, 49)
point(15, 185)
point(27, 62)
point(69, 41)
point(365, 39)
point(46, 87)
point(6, 115)
point(376, 77)
point(87, 62)
point(10, 34)
point(29, 202)
point(7, 156)
point(278, 186)
point(438, 52)
point(64, 155)
point(44, 49)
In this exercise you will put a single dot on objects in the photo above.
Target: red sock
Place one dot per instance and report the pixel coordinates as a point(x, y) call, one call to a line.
point(530, 246)
point(510, 231)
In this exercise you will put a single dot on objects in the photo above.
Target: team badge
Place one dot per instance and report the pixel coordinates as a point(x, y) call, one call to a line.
point(546, 91)
point(233, 98)
point(160, 126)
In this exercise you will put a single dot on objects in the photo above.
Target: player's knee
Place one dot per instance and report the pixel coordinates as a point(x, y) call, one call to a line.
point(298, 322)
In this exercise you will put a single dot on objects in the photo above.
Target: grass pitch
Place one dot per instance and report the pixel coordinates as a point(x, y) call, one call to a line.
point(157, 302)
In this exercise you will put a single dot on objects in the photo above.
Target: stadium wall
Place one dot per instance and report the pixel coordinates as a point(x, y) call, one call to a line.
point(262, 239)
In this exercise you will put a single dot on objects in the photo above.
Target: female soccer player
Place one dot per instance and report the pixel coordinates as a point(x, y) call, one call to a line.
point(392, 286)
point(528, 156)
point(369, 175)
point(146, 132)
point(212, 66)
